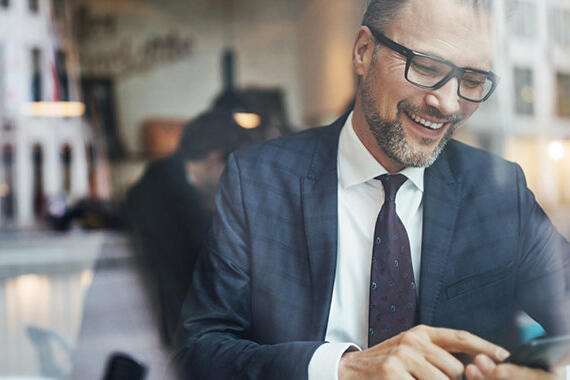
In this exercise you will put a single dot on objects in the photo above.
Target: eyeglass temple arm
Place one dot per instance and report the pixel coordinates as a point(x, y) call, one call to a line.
point(389, 43)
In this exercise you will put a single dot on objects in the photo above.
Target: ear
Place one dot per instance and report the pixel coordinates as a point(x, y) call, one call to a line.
point(214, 156)
point(363, 51)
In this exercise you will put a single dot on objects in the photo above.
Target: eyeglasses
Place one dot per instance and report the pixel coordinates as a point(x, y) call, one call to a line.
point(430, 72)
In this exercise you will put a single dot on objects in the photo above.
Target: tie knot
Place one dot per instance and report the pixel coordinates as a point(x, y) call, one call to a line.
point(392, 183)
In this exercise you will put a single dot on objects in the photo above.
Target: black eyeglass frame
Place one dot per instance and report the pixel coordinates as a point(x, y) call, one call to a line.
point(456, 72)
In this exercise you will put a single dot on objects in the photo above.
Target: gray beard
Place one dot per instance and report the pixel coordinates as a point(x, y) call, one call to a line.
point(390, 137)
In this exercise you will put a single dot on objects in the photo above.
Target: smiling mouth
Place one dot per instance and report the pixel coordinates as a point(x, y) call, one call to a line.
point(423, 122)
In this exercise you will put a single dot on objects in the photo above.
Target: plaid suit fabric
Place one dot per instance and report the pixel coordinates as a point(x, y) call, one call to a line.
point(260, 300)
point(276, 203)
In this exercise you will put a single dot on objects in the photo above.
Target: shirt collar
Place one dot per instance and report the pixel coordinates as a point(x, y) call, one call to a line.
point(356, 165)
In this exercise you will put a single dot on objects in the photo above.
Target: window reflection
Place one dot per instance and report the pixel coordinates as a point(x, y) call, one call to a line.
point(523, 23)
point(134, 64)
point(524, 91)
point(559, 25)
point(563, 94)
point(40, 314)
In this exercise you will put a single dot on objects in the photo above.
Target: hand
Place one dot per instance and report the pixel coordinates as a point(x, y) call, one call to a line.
point(422, 352)
point(483, 368)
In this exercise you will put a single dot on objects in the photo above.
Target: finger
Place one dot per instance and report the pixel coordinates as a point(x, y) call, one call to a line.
point(485, 364)
point(395, 367)
point(511, 371)
point(443, 360)
point(423, 369)
point(465, 342)
point(472, 372)
point(436, 356)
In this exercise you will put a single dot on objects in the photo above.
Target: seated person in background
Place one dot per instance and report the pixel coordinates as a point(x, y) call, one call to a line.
point(168, 211)
point(378, 247)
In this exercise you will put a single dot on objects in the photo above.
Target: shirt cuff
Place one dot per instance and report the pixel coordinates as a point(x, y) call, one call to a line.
point(326, 359)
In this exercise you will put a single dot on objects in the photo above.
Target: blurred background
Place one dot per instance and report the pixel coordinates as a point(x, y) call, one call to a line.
point(92, 91)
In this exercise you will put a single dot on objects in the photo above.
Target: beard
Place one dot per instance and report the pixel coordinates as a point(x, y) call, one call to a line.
point(390, 137)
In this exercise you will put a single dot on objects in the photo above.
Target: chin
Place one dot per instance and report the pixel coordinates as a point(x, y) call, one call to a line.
point(426, 156)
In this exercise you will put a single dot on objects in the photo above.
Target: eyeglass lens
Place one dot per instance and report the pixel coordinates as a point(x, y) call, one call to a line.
point(428, 72)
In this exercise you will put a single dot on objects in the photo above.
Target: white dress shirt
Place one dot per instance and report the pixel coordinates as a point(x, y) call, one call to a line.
point(360, 198)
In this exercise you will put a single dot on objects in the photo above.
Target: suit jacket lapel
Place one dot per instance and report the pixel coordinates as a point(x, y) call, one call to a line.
point(441, 205)
point(320, 213)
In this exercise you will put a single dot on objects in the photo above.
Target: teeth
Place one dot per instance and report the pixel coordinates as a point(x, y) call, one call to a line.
point(425, 123)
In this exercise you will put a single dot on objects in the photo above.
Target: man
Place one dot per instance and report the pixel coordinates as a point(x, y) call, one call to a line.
point(169, 209)
point(321, 265)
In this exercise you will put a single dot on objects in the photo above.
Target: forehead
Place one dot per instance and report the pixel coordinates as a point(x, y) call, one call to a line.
point(447, 29)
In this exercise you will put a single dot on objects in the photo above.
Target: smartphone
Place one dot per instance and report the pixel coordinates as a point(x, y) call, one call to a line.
point(542, 353)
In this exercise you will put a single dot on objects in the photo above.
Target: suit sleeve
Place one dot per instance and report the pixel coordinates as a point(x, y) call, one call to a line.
point(217, 332)
point(543, 283)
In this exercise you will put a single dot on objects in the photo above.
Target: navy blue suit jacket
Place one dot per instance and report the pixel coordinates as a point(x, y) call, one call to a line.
point(261, 292)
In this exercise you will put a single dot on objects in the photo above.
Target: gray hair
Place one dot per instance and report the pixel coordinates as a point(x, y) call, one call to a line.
point(380, 13)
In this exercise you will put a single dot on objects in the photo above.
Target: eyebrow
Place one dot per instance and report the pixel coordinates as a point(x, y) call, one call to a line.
point(488, 68)
point(404, 50)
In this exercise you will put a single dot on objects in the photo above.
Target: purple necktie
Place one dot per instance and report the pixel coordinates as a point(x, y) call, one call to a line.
point(392, 285)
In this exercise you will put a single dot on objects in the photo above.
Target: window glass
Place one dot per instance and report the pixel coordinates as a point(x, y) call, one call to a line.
point(559, 25)
point(522, 22)
point(563, 94)
point(524, 91)
point(2, 78)
point(34, 5)
point(36, 75)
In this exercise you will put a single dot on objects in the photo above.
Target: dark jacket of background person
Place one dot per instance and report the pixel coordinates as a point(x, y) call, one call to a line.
point(168, 219)
point(168, 216)
point(262, 290)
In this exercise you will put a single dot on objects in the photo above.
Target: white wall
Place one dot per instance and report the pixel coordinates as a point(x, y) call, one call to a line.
point(327, 30)
point(262, 33)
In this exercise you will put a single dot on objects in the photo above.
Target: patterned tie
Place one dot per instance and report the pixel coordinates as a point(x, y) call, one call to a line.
point(392, 285)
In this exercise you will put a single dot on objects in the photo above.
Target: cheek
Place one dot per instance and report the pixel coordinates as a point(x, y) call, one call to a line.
point(388, 94)
point(469, 108)
point(396, 88)
point(385, 87)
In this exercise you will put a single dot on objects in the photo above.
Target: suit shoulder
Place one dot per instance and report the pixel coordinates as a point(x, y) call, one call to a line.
point(300, 142)
point(473, 165)
point(292, 153)
point(473, 158)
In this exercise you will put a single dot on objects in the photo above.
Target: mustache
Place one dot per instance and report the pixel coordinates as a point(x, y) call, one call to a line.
point(430, 111)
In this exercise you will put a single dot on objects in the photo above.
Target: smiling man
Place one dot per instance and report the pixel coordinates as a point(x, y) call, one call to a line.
point(398, 121)
point(378, 247)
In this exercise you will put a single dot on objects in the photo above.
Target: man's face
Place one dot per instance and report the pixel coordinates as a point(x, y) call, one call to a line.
point(206, 172)
point(398, 114)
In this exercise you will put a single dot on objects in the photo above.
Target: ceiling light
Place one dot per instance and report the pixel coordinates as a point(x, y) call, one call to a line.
point(54, 109)
point(247, 120)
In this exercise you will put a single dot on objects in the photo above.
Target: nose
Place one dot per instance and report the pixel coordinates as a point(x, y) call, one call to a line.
point(445, 98)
